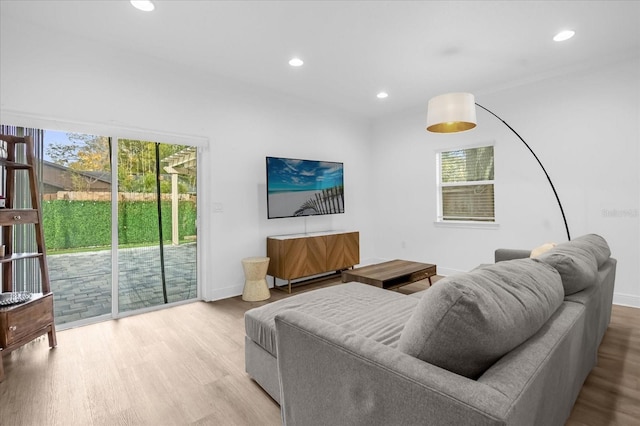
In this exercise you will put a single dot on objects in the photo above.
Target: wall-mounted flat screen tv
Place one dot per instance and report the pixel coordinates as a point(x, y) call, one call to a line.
point(304, 187)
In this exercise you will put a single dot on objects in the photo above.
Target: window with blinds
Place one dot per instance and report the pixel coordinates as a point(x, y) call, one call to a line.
point(466, 185)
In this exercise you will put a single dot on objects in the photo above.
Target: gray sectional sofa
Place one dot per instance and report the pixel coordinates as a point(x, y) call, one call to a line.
point(505, 344)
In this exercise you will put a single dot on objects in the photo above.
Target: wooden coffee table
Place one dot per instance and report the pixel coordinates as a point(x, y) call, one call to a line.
point(392, 274)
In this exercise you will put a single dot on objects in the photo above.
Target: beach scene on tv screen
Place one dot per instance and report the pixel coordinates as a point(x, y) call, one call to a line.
point(304, 187)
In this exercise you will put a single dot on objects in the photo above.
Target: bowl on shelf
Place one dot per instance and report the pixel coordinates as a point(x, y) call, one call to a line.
point(14, 297)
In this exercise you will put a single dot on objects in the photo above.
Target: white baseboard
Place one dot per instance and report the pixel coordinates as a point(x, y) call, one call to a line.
point(223, 293)
point(626, 300)
point(370, 261)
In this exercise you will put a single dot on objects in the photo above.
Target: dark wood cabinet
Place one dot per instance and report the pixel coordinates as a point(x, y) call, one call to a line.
point(23, 322)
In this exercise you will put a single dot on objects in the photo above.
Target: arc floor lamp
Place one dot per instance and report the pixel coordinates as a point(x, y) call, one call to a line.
point(456, 112)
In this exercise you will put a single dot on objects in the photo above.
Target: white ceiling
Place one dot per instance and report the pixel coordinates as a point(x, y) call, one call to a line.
point(354, 49)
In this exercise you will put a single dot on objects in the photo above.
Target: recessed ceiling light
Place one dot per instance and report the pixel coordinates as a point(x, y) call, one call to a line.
point(564, 35)
point(144, 5)
point(382, 95)
point(296, 62)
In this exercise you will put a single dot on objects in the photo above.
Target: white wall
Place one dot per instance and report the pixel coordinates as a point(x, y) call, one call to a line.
point(75, 85)
point(584, 128)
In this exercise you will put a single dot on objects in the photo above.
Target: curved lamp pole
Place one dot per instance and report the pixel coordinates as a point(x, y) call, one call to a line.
point(455, 112)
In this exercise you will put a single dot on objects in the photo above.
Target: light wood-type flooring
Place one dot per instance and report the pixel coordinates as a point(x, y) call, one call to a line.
point(185, 365)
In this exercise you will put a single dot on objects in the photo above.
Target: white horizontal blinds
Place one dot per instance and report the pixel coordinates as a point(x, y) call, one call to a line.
point(468, 203)
point(467, 190)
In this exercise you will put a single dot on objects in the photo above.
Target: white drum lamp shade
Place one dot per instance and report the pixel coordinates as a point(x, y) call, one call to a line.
point(451, 113)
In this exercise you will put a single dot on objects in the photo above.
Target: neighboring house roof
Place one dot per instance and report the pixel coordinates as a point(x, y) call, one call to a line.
point(56, 177)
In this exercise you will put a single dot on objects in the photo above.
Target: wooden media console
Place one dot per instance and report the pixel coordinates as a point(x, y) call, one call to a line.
point(304, 255)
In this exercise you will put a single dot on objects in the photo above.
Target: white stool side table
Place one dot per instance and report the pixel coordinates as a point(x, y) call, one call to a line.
point(255, 274)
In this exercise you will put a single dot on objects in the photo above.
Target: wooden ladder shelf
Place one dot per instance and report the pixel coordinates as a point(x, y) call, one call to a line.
point(21, 323)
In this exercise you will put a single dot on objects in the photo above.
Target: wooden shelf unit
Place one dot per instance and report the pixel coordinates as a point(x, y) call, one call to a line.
point(304, 255)
point(21, 323)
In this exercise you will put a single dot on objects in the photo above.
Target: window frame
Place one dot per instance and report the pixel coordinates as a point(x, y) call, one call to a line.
point(440, 220)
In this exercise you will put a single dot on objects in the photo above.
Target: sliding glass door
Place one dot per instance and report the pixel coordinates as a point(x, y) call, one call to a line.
point(75, 177)
point(119, 218)
point(156, 224)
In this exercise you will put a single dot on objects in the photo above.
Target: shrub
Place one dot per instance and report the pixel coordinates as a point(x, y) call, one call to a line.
point(78, 224)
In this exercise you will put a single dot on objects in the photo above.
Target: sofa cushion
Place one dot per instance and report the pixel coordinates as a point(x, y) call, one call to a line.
point(367, 310)
point(576, 264)
point(596, 245)
point(466, 322)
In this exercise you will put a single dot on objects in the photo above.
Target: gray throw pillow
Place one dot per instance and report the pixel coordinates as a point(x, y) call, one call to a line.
point(577, 266)
point(466, 322)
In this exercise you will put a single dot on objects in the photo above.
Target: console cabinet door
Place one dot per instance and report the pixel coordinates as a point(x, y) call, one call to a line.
point(351, 249)
point(287, 257)
point(343, 251)
point(316, 254)
point(294, 258)
point(335, 252)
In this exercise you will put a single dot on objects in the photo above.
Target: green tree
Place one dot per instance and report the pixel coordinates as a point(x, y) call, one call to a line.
point(468, 165)
point(85, 153)
point(136, 163)
point(137, 166)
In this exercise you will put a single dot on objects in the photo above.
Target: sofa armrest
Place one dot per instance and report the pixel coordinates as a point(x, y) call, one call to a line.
point(329, 375)
point(503, 254)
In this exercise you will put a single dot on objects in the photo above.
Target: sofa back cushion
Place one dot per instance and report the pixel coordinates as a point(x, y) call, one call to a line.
point(576, 263)
point(466, 322)
point(595, 244)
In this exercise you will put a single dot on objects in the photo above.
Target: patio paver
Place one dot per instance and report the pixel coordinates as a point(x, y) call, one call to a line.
point(81, 282)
